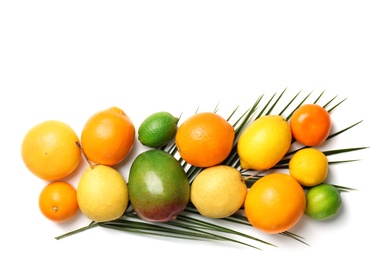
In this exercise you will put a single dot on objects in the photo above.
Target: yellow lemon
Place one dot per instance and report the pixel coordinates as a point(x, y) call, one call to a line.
point(264, 142)
point(218, 191)
point(309, 166)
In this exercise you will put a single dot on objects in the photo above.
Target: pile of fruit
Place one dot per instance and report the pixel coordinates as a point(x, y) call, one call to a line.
point(217, 168)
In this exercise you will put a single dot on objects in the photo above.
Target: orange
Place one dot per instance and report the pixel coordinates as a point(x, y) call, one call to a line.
point(310, 124)
point(49, 150)
point(58, 201)
point(275, 203)
point(108, 136)
point(205, 139)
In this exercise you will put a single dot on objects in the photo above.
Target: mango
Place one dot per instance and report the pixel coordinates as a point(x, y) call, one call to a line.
point(158, 186)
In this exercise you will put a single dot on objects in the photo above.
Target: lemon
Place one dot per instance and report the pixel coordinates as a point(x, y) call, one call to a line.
point(157, 129)
point(102, 193)
point(218, 191)
point(264, 142)
point(309, 166)
point(323, 202)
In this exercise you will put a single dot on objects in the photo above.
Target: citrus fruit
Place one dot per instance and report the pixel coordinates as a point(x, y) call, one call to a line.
point(49, 150)
point(158, 186)
point(108, 136)
point(157, 129)
point(323, 202)
point(309, 166)
point(102, 193)
point(205, 139)
point(58, 201)
point(218, 191)
point(310, 124)
point(275, 203)
point(264, 142)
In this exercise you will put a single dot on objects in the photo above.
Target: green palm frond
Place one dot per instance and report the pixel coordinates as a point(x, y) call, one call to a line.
point(190, 224)
point(300, 104)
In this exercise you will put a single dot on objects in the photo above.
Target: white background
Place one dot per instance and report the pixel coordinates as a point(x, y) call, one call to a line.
point(68, 59)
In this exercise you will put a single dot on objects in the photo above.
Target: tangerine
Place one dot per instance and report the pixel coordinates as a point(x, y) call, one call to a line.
point(275, 203)
point(310, 124)
point(58, 201)
point(205, 139)
point(49, 150)
point(108, 136)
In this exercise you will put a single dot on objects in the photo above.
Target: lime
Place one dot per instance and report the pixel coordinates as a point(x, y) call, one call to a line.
point(157, 129)
point(323, 201)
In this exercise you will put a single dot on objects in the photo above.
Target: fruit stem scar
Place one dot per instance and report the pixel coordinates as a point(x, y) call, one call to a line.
point(55, 208)
point(89, 162)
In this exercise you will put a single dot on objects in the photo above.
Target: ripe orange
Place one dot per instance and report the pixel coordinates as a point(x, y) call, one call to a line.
point(49, 150)
point(310, 124)
point(58, 201)
point(205, 139)
point(108, 136)
point(275, 203)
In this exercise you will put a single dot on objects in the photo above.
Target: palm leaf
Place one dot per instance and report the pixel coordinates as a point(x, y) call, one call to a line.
point(190, 224)
point(300, 104)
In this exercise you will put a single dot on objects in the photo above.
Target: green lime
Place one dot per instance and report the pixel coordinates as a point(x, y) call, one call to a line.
point(323, 201)
point(157, 129)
